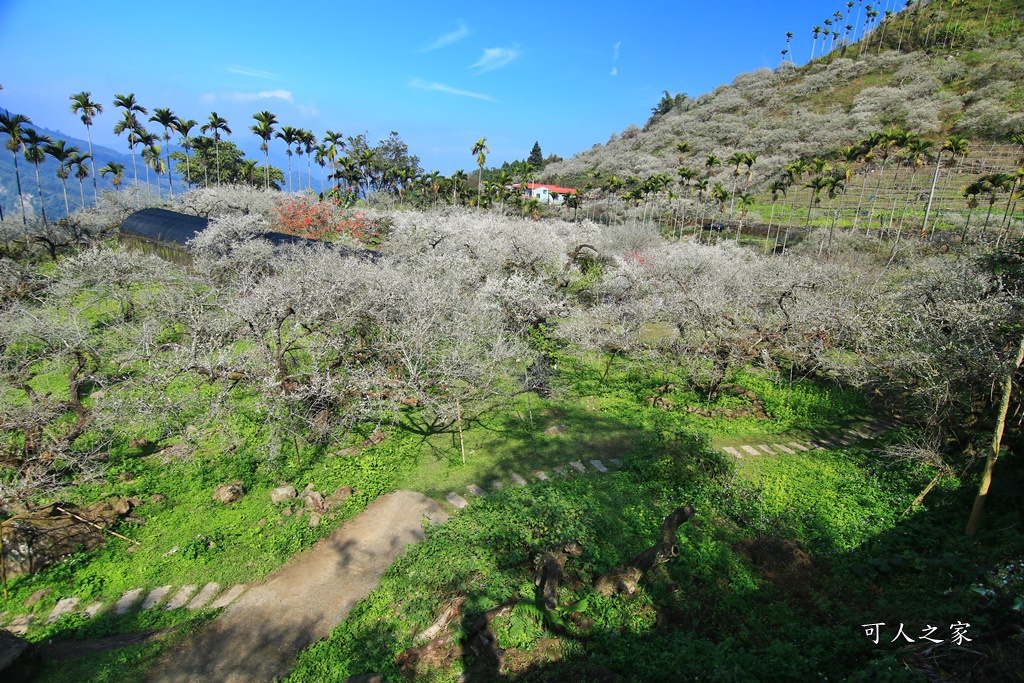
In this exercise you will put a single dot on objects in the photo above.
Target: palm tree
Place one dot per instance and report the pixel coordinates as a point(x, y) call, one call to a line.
point(11, 125)
point(334, 143)
point(779, 186)
point(971, 193)
point(183, 128)
point(308, 143)
point(167, 119)
point(290, 136)
point(264, 130)
point(115, 169)
point(321, 159)
point(216, 124)
point(995, 183)
point(130, 124)
point(816, 31)
point(956, 145)
point(81, 171)
point(35, 154)
point(457, 180)
point(87, 109)
point(149, 150)
point(710, 162)
point(481, 150)
point(62, 153)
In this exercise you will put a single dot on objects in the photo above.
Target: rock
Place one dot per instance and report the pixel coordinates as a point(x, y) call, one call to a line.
point(365, 678)
point(63, 606)
point(36, 539)
point(287, 512)
point(348, 452)
point(557, 429)
point(19, 658)
point(138, 443)
point(340, 495)
point(377, 437)
point(282, 493)
point(126, 477)
point(314, 500)
point(37, 596)
point(19, 624)
point(229, 493)
point(157, 497)
point(125, 505)
point(171, 551)
point(314, 519)
point(176, 451)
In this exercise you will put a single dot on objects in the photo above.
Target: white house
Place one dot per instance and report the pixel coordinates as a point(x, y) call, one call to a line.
point(546, 194)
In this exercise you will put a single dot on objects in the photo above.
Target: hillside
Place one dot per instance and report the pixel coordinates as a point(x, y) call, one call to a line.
point(935, 71)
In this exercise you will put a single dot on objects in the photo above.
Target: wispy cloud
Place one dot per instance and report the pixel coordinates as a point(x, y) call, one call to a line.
point(308, 110)
point(440, 87)
point(615, 58)
point(495, 58)
point(448, 38)
point(243, 97)
point(255, 73)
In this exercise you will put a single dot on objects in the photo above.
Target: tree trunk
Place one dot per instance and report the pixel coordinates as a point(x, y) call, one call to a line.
point(552, 566)
point(997, 438)
point(625, 578)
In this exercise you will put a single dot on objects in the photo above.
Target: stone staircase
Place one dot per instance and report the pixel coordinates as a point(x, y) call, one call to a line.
point(865, 430)
point(596, 466)
point(209, 596)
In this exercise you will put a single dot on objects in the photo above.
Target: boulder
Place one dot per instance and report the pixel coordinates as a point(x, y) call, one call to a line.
point(314, 519)
point(282, 493)
point(557, 429)
point(314, 500)
point(38, 538)
point(229, 493)
point(18, 658)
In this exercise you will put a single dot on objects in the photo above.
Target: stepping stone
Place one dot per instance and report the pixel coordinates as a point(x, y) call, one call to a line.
point(228, 596)
point(497, 484)
point(750, 450)
point(539, 474)
point(204, 596)
point(63, 606)
point(857, 432)
point(127, 600)
point(599, 466)
point(517, 480)
point(19, 624)
point(181, 597)
point(784, 449)
point(456, 500)
point(155, 597)
point(844, 440)
point(767, 449)
point(799, 446)
point(560, 470)
point(732, 451)
point(615, 461)
point(578, 466)
point(476, 490)
point(93, 609)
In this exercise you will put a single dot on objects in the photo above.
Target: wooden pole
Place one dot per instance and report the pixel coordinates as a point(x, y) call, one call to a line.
point(458, 416)
point(97, 526)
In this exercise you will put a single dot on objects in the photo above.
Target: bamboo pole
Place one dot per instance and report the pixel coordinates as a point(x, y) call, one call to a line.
point(97, 526)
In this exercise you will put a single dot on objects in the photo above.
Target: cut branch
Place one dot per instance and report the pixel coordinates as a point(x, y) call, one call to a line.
point(625, 578)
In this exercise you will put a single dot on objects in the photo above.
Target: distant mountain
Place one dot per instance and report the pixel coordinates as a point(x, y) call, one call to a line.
point(52, 188)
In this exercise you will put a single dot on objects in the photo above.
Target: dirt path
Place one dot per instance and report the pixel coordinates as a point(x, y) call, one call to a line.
point(258, 637)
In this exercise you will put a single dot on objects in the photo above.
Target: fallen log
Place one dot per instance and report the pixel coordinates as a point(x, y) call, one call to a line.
point(625, 577)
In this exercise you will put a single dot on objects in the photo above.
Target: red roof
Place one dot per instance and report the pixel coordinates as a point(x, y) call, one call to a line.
point(550, 188)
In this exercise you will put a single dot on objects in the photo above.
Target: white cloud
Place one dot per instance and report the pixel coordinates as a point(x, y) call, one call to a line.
point(308, 110)
point(614, 72)
point(242, 97)
point(255, 73)
point(448, 38)
point(615, 59)
point(440, 87)
point(495, 58)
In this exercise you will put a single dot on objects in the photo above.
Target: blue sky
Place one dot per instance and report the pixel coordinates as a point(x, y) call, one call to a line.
point(442, 74)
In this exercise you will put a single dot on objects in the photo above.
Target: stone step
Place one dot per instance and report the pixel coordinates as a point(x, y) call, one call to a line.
point(784, 449)
point(457, 500)
point(127, 600)
point(540, 474)
point(181, 597)
point(799, 446)
point(732, 451)
point(517, 480)
point(578, 466)
point(93, 609)
point(204, 596)
point(63, 606)
point(750, 450)
point(476, 490)
point(767, 449)
point(155, 597)
point(497, 484)
point(229, 596)
point(615, 461)
point(19, 624)
point(599, 466)
point(560, 471)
